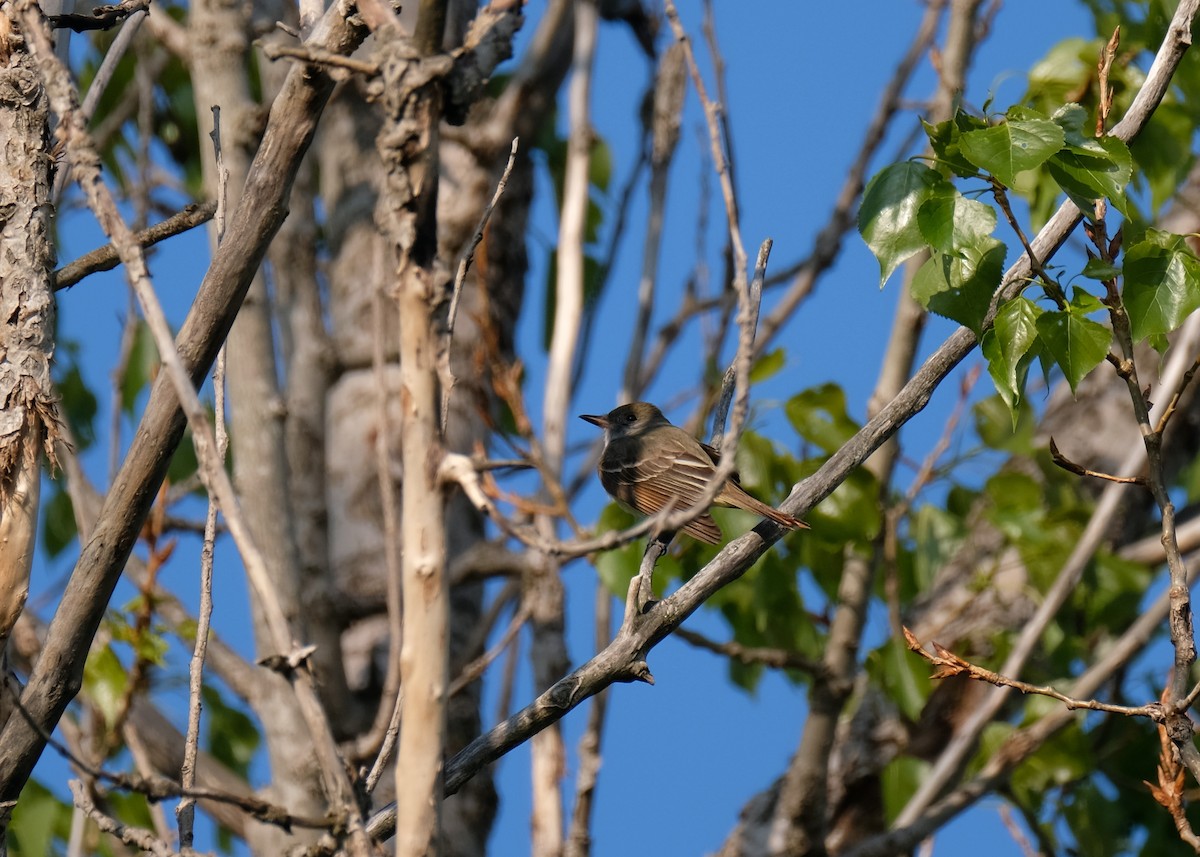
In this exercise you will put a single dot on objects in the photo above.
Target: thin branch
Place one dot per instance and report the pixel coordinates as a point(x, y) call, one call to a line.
point(161, 788)
point(460, 278)
point(388, 711)
point(669, 91)
point(477, 667)
point(140, 838)
point(57, 675)
point(579, 836)
point(1052, 235)
point(780, 659)
point(185, 811)
point(86, 162)
point(1173, 405)
point(949, 665)
point(105, 258)
point(317, 56)
point(112, 58)
point(828, 243)
point(102, 17)
point(1079, 470)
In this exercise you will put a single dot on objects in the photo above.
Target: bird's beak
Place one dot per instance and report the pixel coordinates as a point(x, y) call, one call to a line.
point(595, 419)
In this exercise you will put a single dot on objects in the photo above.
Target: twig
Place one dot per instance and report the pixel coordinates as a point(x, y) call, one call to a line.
point(1024, 742)
point(780, 659)
point(949, 665)
point(460, 278)
point(105, 258)
point(1172, 406)
point(579, 837)
point(112, 58)
point(828, 243)
point(102, 17)
point(388, 711)
point(388, 747)
point(140, 838)
point(728, 381)
point(747, 315)
point(86, 162)
point(669, 91)
point(317, 56)
point(477, 667)
point(160, 788)
point(185, 811)
point(1052, 235)
point(1169, 790)
point(1015, 831)
point(1079, 470)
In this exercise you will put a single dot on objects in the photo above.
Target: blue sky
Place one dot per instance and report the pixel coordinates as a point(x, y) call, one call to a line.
point(682, 758)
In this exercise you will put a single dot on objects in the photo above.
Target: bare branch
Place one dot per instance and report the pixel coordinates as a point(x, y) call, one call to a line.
point(1079, 470)
point(949, 665)
point(56, 677)
point(102, 17)
point(105, 258)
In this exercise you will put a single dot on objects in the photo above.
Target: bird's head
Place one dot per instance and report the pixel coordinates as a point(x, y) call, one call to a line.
point(630, 420)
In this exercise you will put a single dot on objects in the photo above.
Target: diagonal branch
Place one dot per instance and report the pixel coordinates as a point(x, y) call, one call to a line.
point(58, 674)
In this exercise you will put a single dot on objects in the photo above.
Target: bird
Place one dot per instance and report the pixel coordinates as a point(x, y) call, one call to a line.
point(648, 462)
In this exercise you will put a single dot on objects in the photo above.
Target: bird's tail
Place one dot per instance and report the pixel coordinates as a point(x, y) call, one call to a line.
point(783, 518)
point(735, 495)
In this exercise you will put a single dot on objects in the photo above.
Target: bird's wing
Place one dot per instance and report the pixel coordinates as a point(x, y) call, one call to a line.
point(715, 455)
point(676, 473)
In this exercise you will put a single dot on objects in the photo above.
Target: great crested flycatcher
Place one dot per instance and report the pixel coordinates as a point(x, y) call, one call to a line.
point(648, 462)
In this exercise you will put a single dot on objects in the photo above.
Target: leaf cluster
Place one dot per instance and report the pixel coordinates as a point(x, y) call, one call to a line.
point(916, 207)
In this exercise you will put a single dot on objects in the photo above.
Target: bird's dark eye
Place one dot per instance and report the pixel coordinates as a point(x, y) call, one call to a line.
point(631, 418)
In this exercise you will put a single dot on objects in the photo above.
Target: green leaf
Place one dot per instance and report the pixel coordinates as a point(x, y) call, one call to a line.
point(903, 676)
point(900, 780)
point(232, 736)
point(1098, 269)
point(961, 287)
point(936, 534)
point(1086, 176)
point(104, 680)
point(39, 820)
point(944, 140)
point(139, 368)
point(618, 566)
point(58, 522)
point(1077, 344)
point(851, 513)
point(1084, 302)
point(767, 365)
point(950, 222)
point(1090, 167)
point(818, 415)
point(887, 218)
point(183, 462)
point(78, 403)
point(1009, 347)
point(995, 426)
point(600, 164)
point(1163, 151)
point(1071, 118)
point(1062, 71)
point(1012, 147)
point(1162, 284)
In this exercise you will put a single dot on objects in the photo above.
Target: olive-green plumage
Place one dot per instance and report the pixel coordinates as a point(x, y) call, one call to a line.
point(648, 462)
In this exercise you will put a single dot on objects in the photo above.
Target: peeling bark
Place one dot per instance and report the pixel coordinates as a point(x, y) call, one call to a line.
point(28, 404)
